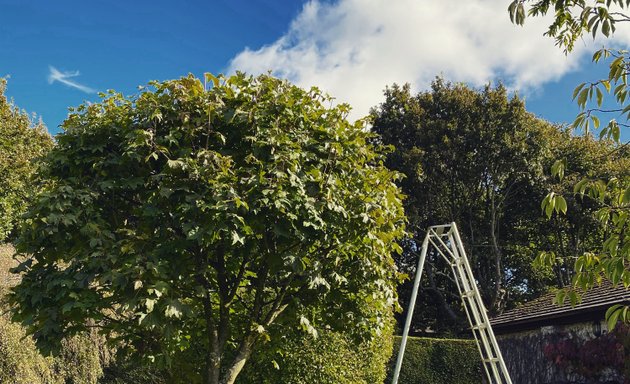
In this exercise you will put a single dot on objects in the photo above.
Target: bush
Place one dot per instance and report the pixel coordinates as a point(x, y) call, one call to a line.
point(437, 361)
point(20, 362)
point(22, 143)
point(124, 372)
point(331, 358)
point(78, 362)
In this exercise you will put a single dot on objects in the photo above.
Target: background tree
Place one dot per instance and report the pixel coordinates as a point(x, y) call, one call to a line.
point(202, 217)
point(21, 143)
point(572, 20)
point(477, 157)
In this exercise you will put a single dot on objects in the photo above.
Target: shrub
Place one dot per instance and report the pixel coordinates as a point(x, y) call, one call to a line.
point(20, 362)
point(331, 358)
point(123, 372)
point(22, 143)
point(592, 358)
point(437, 361)
point(78, 361)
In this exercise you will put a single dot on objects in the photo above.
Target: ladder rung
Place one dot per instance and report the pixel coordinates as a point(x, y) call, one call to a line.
point(480, 326)
point(491, 360)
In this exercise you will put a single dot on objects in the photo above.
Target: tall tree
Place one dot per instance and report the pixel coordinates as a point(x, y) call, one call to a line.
point(572, 19)
point(22, 143)
point(477, 157)
point(206, 214)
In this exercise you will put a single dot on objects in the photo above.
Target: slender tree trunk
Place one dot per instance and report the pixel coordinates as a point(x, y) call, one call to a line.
point(244, 352)
point(213, 360)
point(498, 269)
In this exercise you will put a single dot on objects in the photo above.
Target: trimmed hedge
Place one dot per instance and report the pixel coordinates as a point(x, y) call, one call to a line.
point(332, 358)
point(437, 361)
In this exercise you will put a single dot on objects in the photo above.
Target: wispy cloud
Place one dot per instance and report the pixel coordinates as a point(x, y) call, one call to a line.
point(65, 78)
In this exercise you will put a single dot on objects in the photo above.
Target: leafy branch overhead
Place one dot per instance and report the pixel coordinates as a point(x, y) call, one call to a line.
point(572, 20)
point(204, 218)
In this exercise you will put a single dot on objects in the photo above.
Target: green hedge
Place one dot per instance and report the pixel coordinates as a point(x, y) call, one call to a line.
point(332, 358)
point(437, 361)
point(21, 362)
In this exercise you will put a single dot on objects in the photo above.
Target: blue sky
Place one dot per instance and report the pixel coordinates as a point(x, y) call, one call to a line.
point(350, 48)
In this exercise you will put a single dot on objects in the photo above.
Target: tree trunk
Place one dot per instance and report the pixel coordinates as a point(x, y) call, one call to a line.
point(496, 304)
point(244, 352)
point(213, 360)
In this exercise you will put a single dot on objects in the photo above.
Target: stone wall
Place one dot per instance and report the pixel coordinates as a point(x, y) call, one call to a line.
point(524, 357)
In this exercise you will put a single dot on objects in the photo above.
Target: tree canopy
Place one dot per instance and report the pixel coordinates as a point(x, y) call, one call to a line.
point(479, 158)
point(210, 216)
point(22, 143)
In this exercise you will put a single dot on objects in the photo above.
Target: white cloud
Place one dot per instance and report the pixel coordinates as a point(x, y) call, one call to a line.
point(64, 78)
point(352, 49)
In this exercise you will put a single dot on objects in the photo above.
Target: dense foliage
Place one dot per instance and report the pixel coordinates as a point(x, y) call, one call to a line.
point(22, 143)
point(21, 363)
point(332, 358)
point(572, 19)
point(200, 216)
point(478, 158)
point(438, 361)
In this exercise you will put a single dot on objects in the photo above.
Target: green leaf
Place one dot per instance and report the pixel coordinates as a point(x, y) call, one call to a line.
point(600, 96)
point(578, 89)
point(596, 121)
point(211, 78)
point(558, 167)
point(560, 204)
point(582, 96)
point(606, 28)
point(612, 315)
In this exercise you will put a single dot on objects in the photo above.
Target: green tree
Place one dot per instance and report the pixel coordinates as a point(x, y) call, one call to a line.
point(201, 215)
point(21, 144)
point(467, 156)
point(477, 157)
point(572, 20)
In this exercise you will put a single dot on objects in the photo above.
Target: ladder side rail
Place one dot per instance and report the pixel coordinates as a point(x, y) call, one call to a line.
point(412, 304)
point(471, 296)
point(447, 250)
point(470, 321)
point(475, 321)
point(469, 285)
point(484, 313)
point(449, 253)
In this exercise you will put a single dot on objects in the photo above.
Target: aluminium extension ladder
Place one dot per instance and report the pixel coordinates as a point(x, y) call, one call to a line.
point(446, 241)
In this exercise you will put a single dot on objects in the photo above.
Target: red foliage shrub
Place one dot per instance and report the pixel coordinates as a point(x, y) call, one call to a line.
point(591, 358)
